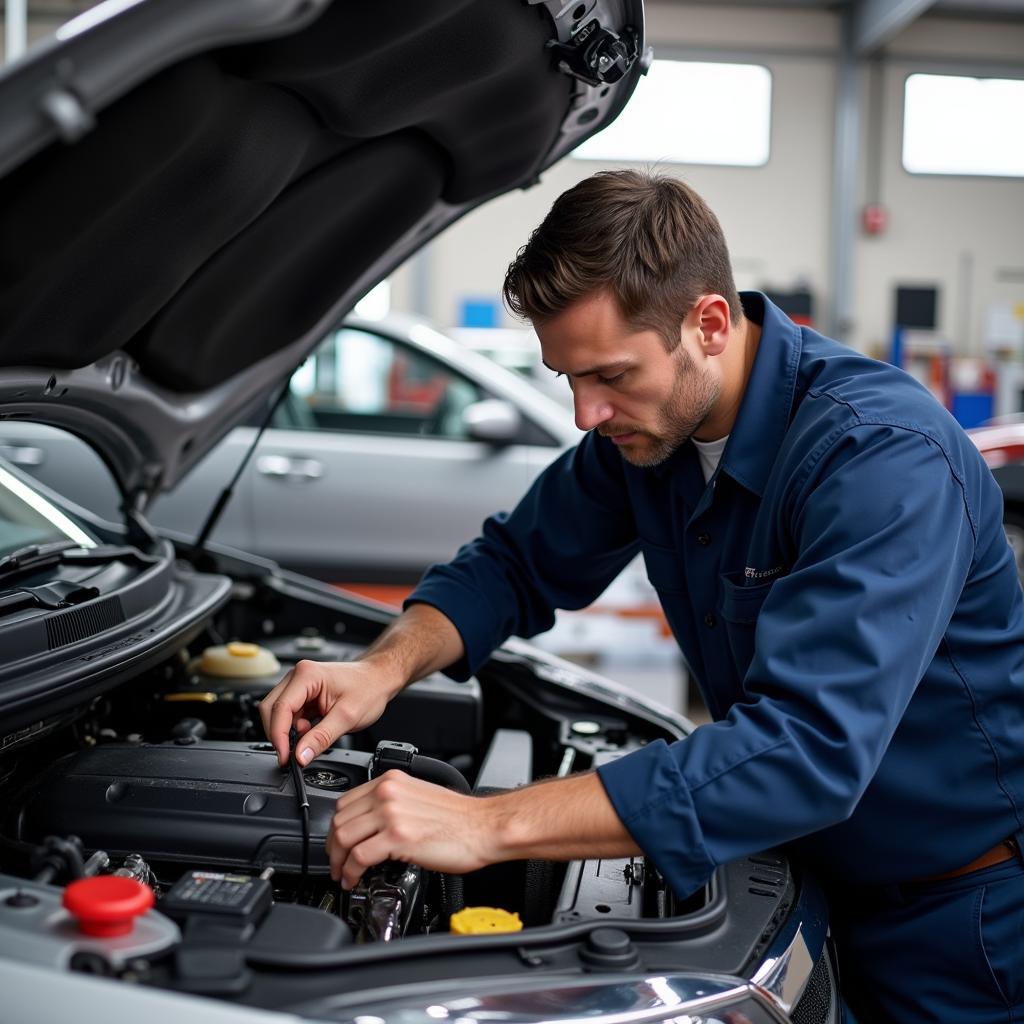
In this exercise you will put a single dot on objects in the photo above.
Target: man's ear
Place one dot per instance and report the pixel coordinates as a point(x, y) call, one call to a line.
point(714, 321)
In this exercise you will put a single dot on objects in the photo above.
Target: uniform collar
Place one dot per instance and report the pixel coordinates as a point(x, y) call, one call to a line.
point(764, 413)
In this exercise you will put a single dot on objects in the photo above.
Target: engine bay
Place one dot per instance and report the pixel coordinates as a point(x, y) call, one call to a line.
point(149, 835)
point(168, 780)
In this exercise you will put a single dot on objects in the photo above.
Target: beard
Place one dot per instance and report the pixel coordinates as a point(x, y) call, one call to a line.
point(694, 393)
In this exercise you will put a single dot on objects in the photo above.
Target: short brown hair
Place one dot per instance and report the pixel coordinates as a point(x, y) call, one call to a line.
point(648, 237)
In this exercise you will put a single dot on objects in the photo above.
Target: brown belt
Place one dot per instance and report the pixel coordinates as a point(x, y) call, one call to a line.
point(997, 855)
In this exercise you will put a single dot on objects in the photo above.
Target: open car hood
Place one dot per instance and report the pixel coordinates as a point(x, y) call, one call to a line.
point(194, 192)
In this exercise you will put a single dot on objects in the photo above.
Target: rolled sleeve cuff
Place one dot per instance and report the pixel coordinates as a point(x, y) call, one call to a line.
point(470, 616)
point(653, 802)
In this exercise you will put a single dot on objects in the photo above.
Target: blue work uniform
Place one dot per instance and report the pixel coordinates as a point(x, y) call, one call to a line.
point(845, 597)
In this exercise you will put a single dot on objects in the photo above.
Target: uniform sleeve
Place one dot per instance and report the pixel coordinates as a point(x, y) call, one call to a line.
point(571, 534)
point(884, 542)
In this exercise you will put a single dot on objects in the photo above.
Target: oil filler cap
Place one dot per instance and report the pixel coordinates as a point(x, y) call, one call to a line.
point(107, 905)
point(484, 921)
point(609, 947)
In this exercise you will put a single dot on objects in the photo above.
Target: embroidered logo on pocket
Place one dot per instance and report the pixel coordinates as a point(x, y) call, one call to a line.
point(763, 574)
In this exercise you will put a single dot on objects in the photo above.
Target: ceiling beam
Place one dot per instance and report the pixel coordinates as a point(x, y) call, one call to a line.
point(875, 22)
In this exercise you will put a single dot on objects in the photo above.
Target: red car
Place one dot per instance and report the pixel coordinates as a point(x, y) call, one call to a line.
point(1002, 446)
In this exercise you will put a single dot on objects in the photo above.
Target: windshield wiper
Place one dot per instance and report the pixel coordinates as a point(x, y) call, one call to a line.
point(35, 556)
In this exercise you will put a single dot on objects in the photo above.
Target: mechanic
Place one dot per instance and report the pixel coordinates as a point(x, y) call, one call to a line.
point(827, 547)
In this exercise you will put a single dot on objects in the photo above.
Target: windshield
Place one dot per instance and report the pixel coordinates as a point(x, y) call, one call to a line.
point(26, 517)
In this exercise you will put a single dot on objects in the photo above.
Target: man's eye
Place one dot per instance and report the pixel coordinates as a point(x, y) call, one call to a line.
point(612, 380)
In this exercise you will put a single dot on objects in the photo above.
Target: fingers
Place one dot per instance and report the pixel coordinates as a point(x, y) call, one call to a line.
point(343, 838)
point(309, 690)
point(282, 713)
point(317, 738)
point(265, 708)
point(290, 703)
point(358, 815)
point(397, 817)
point(268, 700)
point(362, 856)
point(346, 697)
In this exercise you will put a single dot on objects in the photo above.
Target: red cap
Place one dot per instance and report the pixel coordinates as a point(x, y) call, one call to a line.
point(108, 904)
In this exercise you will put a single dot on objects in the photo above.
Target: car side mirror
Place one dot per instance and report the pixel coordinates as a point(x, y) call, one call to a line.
point(492, 420)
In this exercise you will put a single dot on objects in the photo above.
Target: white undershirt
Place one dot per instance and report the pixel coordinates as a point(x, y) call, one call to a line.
point(709, 453)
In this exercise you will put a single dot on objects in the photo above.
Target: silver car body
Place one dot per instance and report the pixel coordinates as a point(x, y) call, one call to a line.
point(356, 503)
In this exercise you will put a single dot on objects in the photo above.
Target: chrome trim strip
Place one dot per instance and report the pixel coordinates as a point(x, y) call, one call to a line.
point(787, 963)
point(555, 999)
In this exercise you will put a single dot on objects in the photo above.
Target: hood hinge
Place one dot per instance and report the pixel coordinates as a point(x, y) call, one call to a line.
point(596, 55)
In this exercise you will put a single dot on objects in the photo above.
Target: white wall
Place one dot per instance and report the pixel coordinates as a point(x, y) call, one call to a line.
point(776, 218)
point(965, 234)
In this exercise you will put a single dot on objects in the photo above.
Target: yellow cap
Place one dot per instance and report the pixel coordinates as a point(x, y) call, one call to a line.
point(237, 649)
point(482, 920)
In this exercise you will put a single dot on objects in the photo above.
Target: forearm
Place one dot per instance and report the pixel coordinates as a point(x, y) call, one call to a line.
point(420, 641)
point(397, 817)
point(558, 819)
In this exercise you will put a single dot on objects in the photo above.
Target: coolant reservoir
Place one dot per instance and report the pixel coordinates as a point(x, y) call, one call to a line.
point(238, 660)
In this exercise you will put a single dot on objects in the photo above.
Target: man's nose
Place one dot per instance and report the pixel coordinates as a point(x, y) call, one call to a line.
point(591, 409)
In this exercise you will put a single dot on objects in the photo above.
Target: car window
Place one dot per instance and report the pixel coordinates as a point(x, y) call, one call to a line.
point(364, 382)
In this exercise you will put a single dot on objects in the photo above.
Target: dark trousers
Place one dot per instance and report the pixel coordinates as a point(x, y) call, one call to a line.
point(950, 951)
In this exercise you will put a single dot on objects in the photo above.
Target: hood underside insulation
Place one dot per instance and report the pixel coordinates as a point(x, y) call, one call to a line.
point(215, 213)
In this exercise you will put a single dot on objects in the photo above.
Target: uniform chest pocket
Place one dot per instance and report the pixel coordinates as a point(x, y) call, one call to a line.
point(740, 607)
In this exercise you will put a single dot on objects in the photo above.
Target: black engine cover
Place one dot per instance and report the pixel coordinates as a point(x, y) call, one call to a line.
point(211, 803)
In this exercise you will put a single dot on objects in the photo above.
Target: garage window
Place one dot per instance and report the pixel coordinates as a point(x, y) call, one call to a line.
point(668, 119)
point(958, 125)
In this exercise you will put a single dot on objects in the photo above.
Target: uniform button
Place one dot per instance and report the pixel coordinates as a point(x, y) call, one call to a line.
point(704, 539)
point(710, 620)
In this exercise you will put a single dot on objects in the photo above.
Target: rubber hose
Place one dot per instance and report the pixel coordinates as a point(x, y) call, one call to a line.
point(432, 770)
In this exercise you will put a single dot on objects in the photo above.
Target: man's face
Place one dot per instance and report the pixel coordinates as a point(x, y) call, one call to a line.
point(625, 384)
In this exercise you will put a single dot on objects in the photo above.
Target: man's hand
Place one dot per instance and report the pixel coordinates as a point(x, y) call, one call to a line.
point(398, 817)
point(348, 696)
point(344, 696)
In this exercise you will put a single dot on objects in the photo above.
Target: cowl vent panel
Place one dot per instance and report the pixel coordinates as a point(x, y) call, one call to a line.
point(79, 623)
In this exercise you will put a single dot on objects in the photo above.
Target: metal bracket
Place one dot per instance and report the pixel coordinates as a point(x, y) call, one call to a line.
point(596, 55)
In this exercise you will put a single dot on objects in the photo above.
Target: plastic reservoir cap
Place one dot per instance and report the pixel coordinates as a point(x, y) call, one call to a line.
point(108, 904)
point(484, 921)
point(238, 660)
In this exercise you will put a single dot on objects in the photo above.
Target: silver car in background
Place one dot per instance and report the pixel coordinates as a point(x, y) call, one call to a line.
point(392, 445)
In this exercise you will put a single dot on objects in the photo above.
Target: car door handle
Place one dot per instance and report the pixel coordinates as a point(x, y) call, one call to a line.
point(290, 467)
point(22, 454)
